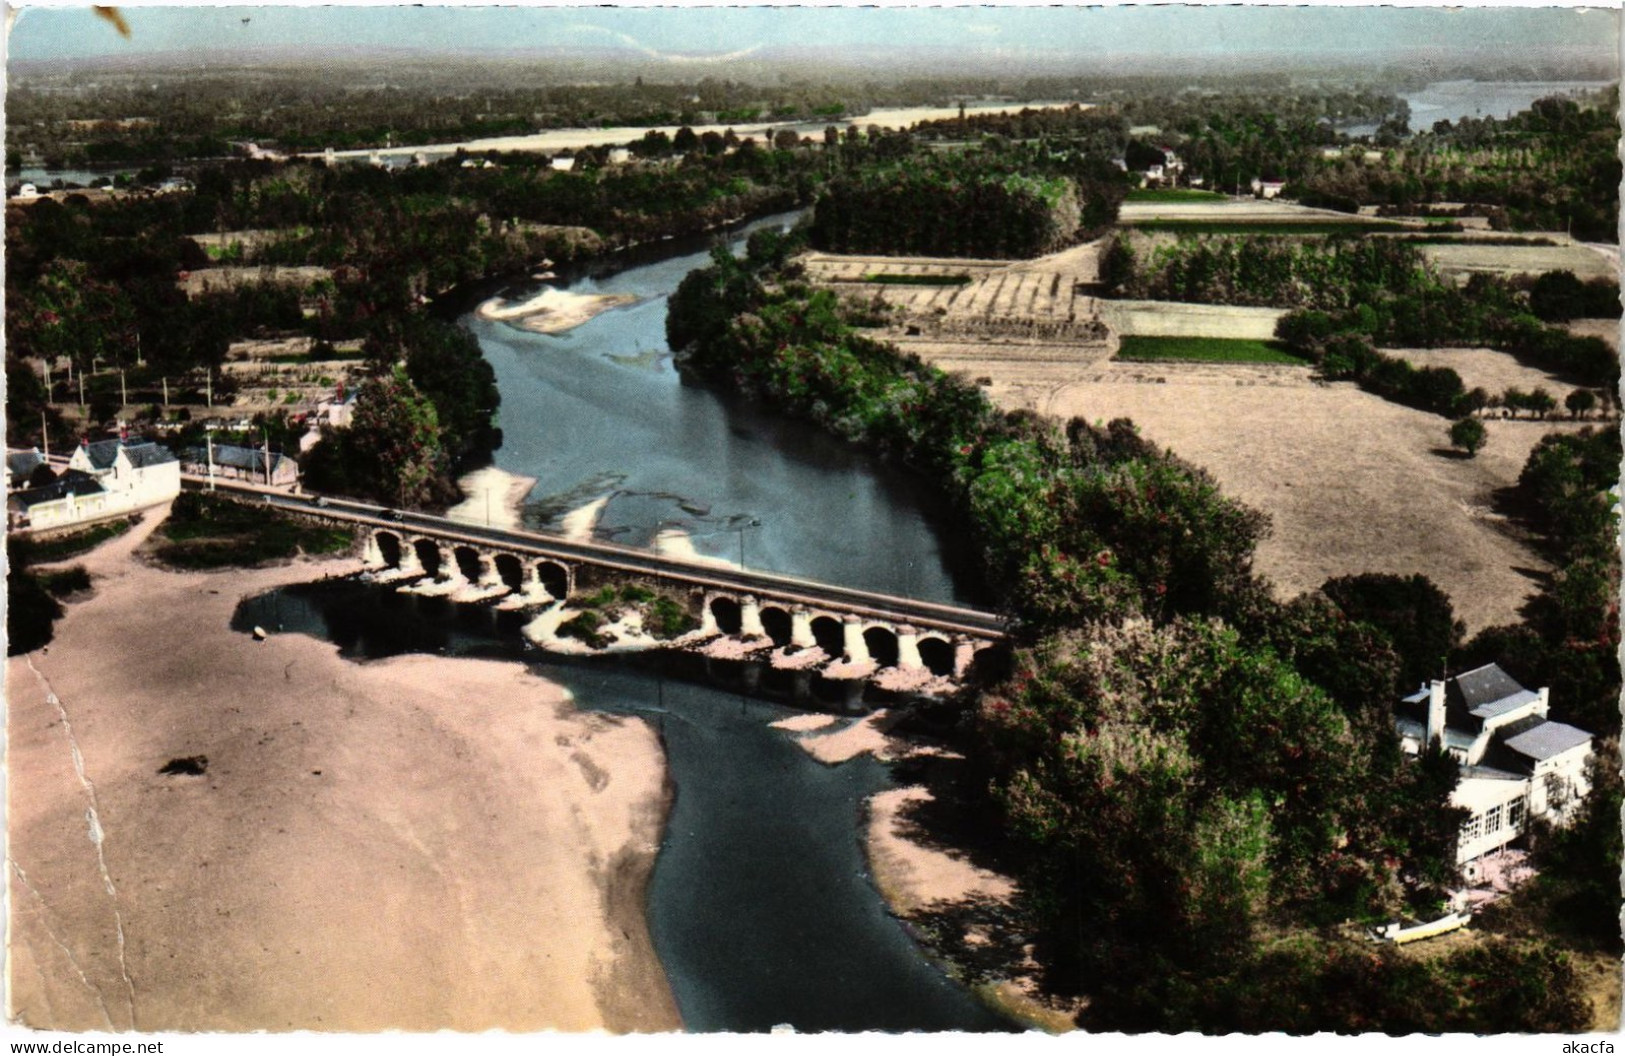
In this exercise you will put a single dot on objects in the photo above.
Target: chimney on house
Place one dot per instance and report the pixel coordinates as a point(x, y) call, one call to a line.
point(1435, 726)
point(1545, 694)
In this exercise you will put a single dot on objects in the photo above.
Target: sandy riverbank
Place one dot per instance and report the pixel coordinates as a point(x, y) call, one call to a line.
point(493, 497)
point(557, 139)
point(414, 843)
point(936, 888)
point(552, 311)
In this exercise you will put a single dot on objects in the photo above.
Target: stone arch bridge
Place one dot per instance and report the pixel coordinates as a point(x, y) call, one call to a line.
point(848, 633)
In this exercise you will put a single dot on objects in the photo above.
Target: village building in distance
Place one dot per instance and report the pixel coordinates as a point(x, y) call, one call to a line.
point(1516, 764)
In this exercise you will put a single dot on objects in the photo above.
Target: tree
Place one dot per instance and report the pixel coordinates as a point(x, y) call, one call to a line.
point(1580, 402)
point(394, 441)
point(1415, 614)
point(1468, 434)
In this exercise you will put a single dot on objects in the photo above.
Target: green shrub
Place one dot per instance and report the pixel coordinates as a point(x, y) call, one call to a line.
point(585, 627)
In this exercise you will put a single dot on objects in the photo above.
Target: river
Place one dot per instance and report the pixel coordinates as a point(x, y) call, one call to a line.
point(1454, 100)
point(761, 906)
point(599, 413)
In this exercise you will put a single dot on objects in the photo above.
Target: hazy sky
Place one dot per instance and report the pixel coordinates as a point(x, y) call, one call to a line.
point(55, 33)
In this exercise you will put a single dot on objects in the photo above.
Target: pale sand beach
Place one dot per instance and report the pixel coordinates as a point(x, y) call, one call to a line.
point(552, 311)
point(557, 139)
point(413, 843)
point(493, 497)
point(579, 523)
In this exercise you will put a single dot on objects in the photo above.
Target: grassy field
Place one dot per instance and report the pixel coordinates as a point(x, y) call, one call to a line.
point(29, 551)
point(211, 531)
point(890, 279)
point(1264, 227)
point(1204, 350)
point(1173, 194)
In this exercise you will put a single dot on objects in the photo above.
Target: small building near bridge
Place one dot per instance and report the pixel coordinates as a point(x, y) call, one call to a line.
point(249, 464)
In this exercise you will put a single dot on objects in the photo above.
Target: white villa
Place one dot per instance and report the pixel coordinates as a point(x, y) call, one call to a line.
point(1516, 764)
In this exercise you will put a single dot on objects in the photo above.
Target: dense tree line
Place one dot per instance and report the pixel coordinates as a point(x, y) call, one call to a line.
point(309, 110)
point(932, 210)
point(1553, 167)
point(1328, 273)
point(1350, 295)
point(1486, 311)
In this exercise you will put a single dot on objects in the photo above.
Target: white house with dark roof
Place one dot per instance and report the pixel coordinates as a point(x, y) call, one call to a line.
point(134, 475)
point(1516, 764)
point(72, 498)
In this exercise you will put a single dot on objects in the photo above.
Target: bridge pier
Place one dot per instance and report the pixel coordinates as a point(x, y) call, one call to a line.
point(372, 555)
point(964, 653)
point(410, 564)
point(801, 635)
point(857, 650)
point(489, 576)
point(750, 618)
point(908, 648)
point(450, 571)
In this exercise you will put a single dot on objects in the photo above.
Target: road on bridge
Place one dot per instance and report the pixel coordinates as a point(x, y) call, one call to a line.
point(629, 560)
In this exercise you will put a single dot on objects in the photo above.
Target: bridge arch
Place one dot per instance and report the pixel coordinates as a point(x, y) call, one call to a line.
point(468, 562)
point(428, 556)
point(389, 548)
point(829, 634)
point(511, 570)
point(882, 644)
point(728, 613)
point(778, 624)
point(937, 654)
point(554, 578)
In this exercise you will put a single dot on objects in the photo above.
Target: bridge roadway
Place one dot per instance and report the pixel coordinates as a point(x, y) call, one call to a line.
point(923, 614)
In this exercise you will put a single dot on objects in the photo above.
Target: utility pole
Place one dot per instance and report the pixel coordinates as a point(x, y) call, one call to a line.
point(166, 394)
point(266, 436)
point(45, 370)
point(123, 392)
point(81, 390)
point(44, 438)
point(208, 437)
point(208, 384)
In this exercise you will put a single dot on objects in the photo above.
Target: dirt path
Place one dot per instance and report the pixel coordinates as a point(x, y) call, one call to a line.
point(415, 843)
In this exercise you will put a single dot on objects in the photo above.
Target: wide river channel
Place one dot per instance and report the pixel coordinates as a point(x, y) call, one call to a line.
point(761, 906)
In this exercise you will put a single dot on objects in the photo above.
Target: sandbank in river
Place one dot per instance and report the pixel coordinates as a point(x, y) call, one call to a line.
point(552, 311)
